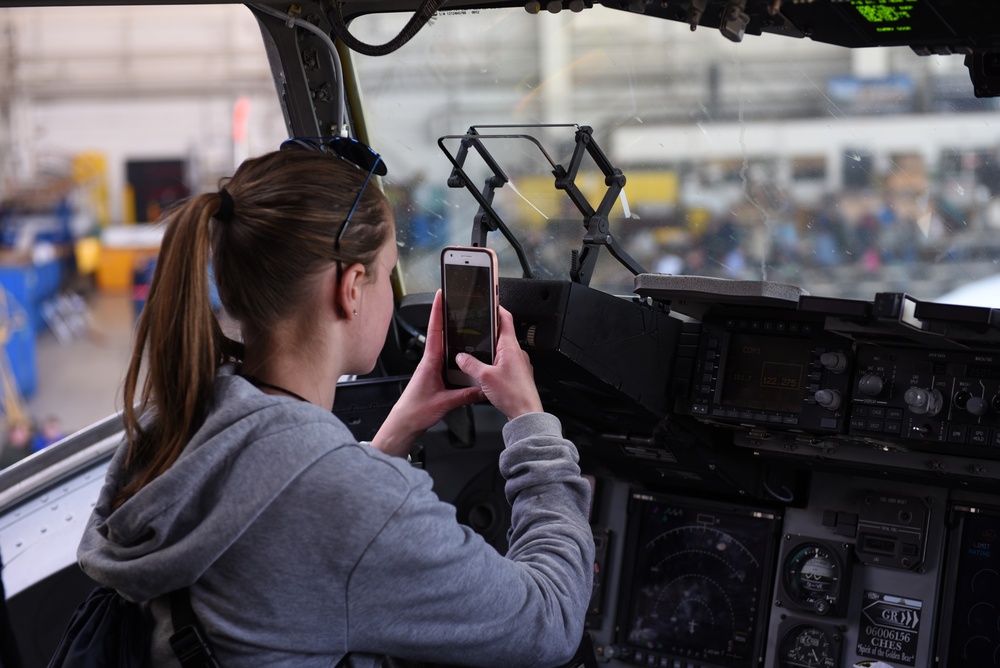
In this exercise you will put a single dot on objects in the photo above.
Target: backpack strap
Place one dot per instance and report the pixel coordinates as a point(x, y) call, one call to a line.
point(189, 642)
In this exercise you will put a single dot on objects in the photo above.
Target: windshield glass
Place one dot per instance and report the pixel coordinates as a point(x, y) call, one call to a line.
point(843, 172)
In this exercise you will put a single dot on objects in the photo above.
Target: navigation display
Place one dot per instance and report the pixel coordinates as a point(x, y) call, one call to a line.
point(699, 580)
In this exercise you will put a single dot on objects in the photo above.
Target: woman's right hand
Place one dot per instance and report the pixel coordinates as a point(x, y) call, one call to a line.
point(509, 383)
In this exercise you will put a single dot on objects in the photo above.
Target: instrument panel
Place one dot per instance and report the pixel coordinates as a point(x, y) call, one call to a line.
point(819, 492)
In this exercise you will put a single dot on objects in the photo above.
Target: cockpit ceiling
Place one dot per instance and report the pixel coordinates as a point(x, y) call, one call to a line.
point(929, 26)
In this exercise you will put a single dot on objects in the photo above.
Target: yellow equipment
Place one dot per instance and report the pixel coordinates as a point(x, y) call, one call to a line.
point(11, 321)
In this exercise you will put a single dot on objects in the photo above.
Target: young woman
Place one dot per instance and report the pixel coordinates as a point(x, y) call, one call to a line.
point(300, 545)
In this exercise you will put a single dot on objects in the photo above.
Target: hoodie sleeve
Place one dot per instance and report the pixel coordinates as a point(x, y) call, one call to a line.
point(427, 587)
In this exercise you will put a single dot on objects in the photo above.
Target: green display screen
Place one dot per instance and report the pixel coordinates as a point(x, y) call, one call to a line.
point(887, 15)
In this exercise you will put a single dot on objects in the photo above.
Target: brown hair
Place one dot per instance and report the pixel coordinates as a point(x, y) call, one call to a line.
point(287, 209)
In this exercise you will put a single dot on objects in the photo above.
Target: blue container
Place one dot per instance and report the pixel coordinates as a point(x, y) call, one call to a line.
point(20, 320)
point(30, 286)
point(23, 358)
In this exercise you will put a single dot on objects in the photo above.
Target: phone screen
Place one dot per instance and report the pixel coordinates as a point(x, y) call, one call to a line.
point(468, 289)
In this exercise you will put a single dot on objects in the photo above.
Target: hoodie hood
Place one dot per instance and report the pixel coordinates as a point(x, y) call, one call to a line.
point(168, 534)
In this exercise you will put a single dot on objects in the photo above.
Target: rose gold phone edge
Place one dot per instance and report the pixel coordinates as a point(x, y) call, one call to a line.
point(453, 377)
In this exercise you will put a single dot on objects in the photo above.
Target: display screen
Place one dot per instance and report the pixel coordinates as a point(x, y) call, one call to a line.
point(974, 637)
point(700, 579)
point(888, 15)
point(468, 312)
point(983, 371)
point(765, 373)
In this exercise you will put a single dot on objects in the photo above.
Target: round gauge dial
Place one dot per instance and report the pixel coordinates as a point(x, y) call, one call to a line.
point(806, 646)
point(811, 577)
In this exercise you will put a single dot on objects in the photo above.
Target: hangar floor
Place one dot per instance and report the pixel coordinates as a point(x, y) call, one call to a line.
point(79, 381)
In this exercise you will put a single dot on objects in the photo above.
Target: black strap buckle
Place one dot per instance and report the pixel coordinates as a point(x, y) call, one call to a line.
point(191, 648)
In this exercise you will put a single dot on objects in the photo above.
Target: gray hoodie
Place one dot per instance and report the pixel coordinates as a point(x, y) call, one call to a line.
point(301, 545)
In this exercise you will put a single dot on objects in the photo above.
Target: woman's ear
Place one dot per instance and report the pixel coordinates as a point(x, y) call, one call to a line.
point(348, 291)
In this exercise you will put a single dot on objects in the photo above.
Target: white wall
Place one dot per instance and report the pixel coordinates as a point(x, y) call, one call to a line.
point(131, 83)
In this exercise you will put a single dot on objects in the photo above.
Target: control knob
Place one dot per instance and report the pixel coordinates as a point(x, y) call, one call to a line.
point(870, 385)
point(834, 361)
point(924, 402)
point(829, 399)
point(977, 406)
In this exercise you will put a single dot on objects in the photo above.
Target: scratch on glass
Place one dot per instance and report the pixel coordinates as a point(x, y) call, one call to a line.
point(745, 179)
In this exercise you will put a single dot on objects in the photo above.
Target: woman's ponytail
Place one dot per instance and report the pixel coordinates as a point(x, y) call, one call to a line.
point(180, 339)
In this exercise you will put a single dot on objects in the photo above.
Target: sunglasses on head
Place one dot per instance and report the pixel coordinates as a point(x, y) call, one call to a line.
point(349, 149)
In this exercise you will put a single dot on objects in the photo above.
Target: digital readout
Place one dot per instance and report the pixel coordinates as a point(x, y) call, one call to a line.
point(765, 373)
point(784, 376)
point(887, 15)
point(982, 371)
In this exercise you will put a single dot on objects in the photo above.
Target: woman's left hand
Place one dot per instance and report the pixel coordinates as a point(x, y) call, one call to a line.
point(426, 399)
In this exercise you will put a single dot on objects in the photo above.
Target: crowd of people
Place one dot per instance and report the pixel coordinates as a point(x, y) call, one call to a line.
point(762, 233)
point(24, 438)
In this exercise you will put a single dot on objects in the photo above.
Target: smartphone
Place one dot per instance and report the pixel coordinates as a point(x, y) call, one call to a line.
point(469, 288)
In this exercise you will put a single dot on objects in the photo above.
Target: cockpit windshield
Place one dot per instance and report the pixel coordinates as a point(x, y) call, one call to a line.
point(845, 172)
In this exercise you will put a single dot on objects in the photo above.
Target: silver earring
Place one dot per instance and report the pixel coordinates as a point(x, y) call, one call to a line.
point(355, 313)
